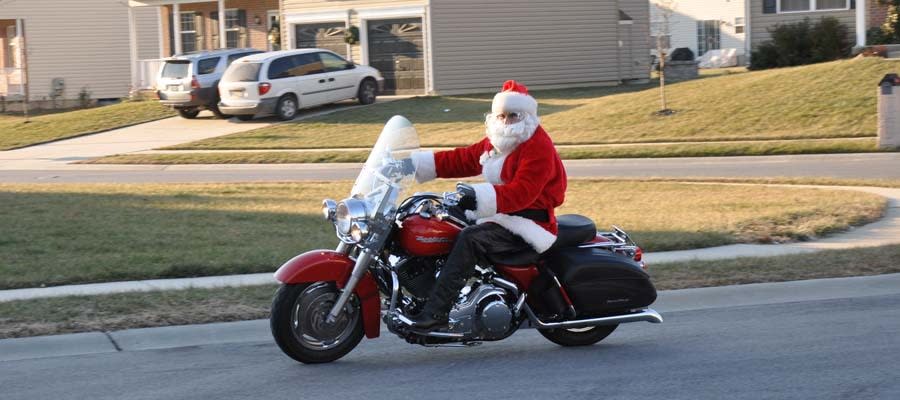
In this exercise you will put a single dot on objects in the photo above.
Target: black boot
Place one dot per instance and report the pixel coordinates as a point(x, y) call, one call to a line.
point(428, 321)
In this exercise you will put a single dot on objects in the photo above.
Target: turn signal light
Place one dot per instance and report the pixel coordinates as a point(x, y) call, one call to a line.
point(195, 84)
point(638, 254)
point(264, 88)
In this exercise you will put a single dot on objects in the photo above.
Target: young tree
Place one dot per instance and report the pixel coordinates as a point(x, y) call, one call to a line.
point(662, 31)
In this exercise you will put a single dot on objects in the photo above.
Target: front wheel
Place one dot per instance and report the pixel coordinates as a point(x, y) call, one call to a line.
point(188, 113)
point(298, 323)
point(578, 336)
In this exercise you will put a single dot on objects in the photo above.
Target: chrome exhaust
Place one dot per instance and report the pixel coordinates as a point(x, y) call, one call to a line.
point(645, 315)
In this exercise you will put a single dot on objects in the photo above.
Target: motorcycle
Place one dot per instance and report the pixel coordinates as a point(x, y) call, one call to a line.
point(390, 253)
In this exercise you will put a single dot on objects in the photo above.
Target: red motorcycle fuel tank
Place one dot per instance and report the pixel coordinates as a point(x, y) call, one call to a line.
point(425, 237)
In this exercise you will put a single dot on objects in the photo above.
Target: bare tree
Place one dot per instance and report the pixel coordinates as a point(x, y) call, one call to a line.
point(662, 30)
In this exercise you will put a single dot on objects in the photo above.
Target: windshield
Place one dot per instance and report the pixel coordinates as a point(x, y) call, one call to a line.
point(384, 167)
point(176, 69)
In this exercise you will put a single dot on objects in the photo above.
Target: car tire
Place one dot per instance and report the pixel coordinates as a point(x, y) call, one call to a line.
point(367, 92)
point(214, 108)
point(286, 109)
point(188, 113)
point(245, 117)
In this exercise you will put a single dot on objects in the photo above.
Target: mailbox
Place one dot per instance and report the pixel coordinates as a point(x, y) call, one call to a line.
point(889, 112)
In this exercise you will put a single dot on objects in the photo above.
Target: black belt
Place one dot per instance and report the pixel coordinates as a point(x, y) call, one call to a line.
point(534, 214)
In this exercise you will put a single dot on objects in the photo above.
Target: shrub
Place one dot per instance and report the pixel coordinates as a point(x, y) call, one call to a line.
point(802, 43)
point(682, 54)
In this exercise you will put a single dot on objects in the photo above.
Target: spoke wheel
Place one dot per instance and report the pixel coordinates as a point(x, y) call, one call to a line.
point(299, 325)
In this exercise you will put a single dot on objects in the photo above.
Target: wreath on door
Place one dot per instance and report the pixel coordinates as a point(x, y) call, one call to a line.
point(351, 35)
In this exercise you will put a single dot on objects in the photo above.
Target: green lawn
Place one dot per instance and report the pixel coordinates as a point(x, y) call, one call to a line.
point(65, 234)
point(197, 306)
point(15, 132)
point(719, 149)
point(829, 100)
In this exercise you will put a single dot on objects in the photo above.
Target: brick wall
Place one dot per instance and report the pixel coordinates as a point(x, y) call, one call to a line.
point(875, 13)
point(257, 33)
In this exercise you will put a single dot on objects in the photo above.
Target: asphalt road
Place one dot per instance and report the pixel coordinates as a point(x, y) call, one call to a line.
point(863, 166)
point(831, 349)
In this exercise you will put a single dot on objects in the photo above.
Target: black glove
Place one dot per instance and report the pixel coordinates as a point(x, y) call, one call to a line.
point(467, 200)
point(407, 167)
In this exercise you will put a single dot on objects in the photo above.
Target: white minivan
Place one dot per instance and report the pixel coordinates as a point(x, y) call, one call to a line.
point(281, 82)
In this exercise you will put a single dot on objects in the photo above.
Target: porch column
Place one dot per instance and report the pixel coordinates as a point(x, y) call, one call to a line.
point(860, 23)
point(132, 44)
point(176, 26)
point(223, 37)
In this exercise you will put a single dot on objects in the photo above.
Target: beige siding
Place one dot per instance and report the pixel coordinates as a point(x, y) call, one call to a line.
point(479, 45)
point(635, 53)
point(84, 42)
point(761, 23)
point(148, 27)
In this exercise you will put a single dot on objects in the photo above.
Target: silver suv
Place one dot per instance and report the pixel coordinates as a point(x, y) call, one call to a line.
point(189, 82)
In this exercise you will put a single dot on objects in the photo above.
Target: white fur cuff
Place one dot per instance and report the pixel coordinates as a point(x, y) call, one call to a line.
point(535, 235)
point(424, 163)
point(485, 199)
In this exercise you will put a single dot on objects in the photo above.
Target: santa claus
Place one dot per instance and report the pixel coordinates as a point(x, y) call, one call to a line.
point(514, 209)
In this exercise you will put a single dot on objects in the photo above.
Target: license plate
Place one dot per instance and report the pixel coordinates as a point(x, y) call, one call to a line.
point(175, 88)
point(236, 93)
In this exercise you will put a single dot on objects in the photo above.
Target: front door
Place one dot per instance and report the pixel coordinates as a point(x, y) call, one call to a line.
point(273, 37)
point(396, 49)
point(328, 36)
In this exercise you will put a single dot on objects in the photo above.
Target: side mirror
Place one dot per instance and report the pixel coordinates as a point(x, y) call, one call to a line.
point(349, 65)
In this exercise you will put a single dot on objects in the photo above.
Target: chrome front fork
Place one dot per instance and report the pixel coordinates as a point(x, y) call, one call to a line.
point(359, 269)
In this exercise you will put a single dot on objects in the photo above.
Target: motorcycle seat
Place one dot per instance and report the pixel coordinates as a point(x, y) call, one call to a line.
point(574, 229)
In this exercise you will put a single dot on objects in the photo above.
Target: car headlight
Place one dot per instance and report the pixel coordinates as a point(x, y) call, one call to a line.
point(347, 212)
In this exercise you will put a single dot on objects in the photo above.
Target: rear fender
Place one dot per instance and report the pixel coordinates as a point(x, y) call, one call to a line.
point(331, 266)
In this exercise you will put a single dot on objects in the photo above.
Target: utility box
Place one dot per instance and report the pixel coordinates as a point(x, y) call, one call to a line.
point(889, 112)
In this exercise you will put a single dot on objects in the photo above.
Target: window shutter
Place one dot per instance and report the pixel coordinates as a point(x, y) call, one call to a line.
point(852, 4)
point(214, 29)
point(770, 6)
point(171, 33)
point(198, 26)
point(242, 22)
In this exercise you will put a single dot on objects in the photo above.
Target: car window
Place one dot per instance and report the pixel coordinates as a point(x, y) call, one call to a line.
point(332, 62)
point(207, 65)
point(279, 68)
point(176, 69)
point(306, 64)
point(242, 72)
point(234, 57)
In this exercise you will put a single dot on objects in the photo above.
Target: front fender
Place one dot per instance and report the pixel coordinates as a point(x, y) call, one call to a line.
point(331, 266)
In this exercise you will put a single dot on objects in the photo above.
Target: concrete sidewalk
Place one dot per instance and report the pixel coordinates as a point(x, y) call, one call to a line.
point(258, 331)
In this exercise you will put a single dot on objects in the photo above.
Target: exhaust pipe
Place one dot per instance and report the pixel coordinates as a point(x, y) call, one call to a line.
point(645, 315)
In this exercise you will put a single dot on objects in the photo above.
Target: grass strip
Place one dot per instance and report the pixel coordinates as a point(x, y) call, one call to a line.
point(82, 233)
point(863, 145)
point(827, 100)
point(15, 132)
point(197, 306)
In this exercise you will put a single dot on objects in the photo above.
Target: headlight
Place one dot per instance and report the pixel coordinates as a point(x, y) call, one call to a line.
point(347, 212)
point(359, 231)
point(329, 209)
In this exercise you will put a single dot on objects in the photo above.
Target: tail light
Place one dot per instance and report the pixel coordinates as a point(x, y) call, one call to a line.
point(264, 88)
point(195, 84)
point(638, 254)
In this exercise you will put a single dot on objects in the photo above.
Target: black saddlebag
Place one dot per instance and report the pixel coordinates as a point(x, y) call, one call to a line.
point(600, 282)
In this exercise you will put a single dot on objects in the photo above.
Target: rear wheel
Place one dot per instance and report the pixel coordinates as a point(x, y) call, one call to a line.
point(367, 92)
point(214, 108)
point(286, 109)
point(578, 336)
point(189, 113)
point(299, 324)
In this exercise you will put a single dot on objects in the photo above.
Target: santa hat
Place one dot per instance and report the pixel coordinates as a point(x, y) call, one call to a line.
point(514, 98)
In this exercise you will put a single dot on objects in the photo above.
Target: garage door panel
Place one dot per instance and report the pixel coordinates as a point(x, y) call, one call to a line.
point(328, 36)
point(396, 49)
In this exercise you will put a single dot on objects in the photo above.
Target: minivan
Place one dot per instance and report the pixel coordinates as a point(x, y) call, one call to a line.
point(282, 82)
point(189, 83)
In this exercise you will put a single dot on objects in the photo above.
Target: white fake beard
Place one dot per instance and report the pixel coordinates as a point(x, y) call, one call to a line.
point(505, 137)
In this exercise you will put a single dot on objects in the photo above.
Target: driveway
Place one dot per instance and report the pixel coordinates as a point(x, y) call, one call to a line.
point(148, 136)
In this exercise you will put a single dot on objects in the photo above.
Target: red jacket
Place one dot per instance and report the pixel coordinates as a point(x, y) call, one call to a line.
point(531, 176)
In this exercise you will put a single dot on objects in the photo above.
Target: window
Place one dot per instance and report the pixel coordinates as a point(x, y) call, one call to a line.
point(707, 36)
point(332, 63)
point(233, 25)
point(234, 57)
point(207, 65)
point(243, 72)
point(176, 69)
point(188, 32)
point(297, 65)
point(812, 5)
point(739, 25)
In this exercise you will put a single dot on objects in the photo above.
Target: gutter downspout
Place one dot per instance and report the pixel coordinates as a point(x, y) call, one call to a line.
point(748, 32)
point(23, 55)
point(860, 23)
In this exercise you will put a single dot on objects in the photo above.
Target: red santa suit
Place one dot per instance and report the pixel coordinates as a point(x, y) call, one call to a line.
point(527, 176)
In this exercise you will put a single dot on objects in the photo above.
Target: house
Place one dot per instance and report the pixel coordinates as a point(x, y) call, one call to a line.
point(459, 46)
point(50, 56)
point(703, 25)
